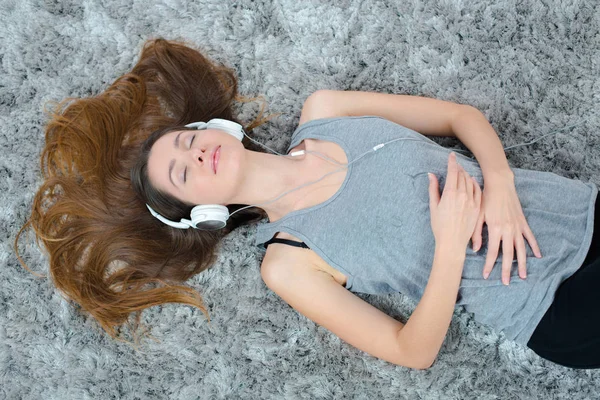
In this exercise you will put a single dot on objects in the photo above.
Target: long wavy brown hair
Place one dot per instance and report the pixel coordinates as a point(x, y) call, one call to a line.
point(107, 253)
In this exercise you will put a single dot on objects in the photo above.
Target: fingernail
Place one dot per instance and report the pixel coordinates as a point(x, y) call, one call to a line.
point(430, 176)
point(486, 275)
point(505, 282)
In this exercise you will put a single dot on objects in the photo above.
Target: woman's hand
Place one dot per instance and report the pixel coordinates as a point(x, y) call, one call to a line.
point(453, 218)
point(502, 212)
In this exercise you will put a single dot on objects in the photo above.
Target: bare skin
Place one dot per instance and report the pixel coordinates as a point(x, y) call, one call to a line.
point(243, 176)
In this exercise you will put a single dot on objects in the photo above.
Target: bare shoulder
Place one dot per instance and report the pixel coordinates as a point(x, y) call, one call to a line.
point(278, 252)
point(282, 256)
point(282, 259)
point(319, 105)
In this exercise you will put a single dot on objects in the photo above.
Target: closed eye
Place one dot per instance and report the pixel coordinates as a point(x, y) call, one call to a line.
point(185, 170)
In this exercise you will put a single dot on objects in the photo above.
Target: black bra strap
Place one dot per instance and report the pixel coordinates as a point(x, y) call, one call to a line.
point(286, 241)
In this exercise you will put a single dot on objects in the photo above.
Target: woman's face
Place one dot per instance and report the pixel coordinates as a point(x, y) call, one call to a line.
point(180, 163)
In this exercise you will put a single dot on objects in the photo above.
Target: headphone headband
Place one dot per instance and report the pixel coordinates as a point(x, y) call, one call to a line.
point(233, 128)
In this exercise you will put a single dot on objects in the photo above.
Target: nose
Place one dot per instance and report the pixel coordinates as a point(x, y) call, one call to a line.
point(201, 156)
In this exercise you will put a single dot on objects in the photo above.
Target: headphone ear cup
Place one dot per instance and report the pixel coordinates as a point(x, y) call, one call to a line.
point(233, 128)
point(209, 216)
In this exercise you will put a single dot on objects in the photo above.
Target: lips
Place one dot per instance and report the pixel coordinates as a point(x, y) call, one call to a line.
point(215, 158)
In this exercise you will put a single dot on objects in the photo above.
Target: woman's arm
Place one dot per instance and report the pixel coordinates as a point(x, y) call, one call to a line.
point(428, 116)
point(425, 115)
point(426, 329)
point(478, 135)
point(318, 297)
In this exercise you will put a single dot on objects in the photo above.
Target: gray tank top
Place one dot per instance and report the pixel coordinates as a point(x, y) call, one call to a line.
point(376, 228)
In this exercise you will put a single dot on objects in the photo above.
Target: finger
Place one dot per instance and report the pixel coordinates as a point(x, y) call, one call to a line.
point(493, 246)
point(531, 239)
point(469, 185)
point(434, 191)
point(507, 257)
point(464, 171)
point(477, 233)
point(452, 177)
point(521, 255)
point(476, 238)
point(461, 179)
point(478, 192)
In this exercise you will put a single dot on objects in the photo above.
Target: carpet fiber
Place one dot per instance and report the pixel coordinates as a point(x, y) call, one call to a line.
point(531, 67)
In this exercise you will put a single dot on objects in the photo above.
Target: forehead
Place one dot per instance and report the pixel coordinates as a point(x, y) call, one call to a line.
point(164, 146)
point(161, 154)
point(167, 139)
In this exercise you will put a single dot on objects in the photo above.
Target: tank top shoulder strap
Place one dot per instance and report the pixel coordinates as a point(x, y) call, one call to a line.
point(286, 241)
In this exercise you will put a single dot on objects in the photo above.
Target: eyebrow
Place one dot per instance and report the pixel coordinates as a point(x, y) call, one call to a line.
point(172, 163)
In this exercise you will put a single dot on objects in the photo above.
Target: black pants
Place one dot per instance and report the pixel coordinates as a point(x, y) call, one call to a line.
point(569, 332)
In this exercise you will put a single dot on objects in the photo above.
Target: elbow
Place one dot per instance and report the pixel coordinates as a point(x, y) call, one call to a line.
point(414, 358)
point(422, 366)
point(415, 365)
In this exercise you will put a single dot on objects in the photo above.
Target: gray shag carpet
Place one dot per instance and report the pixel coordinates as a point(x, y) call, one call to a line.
point(531, 66)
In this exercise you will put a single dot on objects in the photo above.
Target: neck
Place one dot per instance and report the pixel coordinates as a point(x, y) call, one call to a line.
point(267, 176)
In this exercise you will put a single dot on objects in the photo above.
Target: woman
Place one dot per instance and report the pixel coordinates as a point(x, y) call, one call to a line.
point(389, 218)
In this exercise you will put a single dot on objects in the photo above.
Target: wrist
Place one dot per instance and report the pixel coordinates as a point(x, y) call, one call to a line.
point(451, 250)
point(503, 175)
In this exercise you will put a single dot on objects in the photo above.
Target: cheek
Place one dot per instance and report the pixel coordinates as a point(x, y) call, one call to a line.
point(230, 168)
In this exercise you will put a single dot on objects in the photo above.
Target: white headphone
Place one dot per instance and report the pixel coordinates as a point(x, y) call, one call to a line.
point(208, 216)
point(215, 216)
